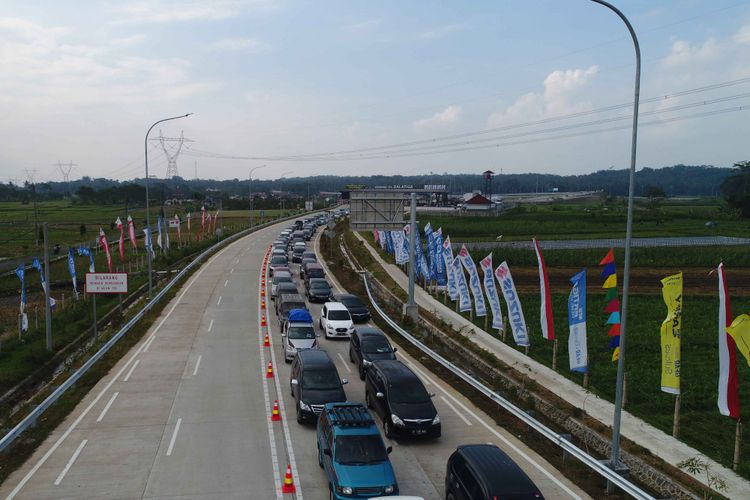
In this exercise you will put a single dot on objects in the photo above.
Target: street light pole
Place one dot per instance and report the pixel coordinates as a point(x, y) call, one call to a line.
point(250, 183)
point(148, 217)
point(615, 457)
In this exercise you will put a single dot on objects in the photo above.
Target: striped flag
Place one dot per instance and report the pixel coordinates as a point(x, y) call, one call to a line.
point(131, 233)
point(121, 246)
point(729, 397)
point(105, 246)
point(545, 315)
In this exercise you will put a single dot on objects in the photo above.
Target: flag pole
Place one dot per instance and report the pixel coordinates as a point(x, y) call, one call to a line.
point(554, 355)
point(676, 422)
point(737, 445)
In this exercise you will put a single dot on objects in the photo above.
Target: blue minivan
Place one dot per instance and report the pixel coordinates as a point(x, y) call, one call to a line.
point(352, 453)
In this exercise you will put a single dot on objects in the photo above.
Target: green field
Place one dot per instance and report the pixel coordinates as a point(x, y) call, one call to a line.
point(595, 219)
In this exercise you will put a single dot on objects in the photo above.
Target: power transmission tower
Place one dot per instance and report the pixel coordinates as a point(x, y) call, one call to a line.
point(172, 147)
point(30, 177)
point(65, 169)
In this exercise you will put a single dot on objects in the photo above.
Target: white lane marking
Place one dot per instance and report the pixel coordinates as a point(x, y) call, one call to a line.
point(346, 365)
point(226, 283)
point(132, 369)
point(502, 438)
point(93, 403)
point(461, 416)
point(267, 400)
point(231, 271)
point(149, 342)
point(218, 301)
point(236, 261)
point(70, 462)
point(106, 408)
point(197, 364)
point(210, 325)
point(174, 437)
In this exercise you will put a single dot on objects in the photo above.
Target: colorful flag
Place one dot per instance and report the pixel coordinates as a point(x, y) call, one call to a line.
point(131, 233)
point(400, 252)
point(422, 266)
point(121, 246)
point(430, 246)
point(188, 224)
point(515, 312)
point(375, 235)
point(447, 255)
point(179, 234)
point(740, 332)
point(389, 241)
point(149, 242)
point(464, 302)
point(38, 266)
point(166, 233)
point(203, 219)
point(578, 356)
point(729, 392)
point(609, 274)
point(159, 240)
point(85, 251)
point(480, 308)
point(72, 270)
point(21, 273)
point(382, 237)
point(670, 334)
point(435, 250)
point(216, 218)
point(491, 291)
point(545, 315)
point(103, 243)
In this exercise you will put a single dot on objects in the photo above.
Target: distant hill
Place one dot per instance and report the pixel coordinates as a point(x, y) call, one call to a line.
point(676, 180)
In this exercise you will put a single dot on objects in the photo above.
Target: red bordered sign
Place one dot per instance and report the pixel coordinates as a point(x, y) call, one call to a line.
point(106, 283)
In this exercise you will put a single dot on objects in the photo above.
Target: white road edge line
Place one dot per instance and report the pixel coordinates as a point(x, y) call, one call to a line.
point(86, 411)
point(267, 401)
point(210, 325)
point(502, 438)
point(132, 369)
point(197, 364)
point(345, 363)
point(174, 437)
point(460, 415)
point(218, 301)
point(149, 342)
point(106, 408)
point(70, 462)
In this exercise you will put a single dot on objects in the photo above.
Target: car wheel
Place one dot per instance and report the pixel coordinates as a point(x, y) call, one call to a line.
point(388, 428)
point(450, 496)
point(330, 492)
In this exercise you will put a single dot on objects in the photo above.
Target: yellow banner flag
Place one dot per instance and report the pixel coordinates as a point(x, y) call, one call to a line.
point(670, 334)
point(740, 332)
point(610, 282)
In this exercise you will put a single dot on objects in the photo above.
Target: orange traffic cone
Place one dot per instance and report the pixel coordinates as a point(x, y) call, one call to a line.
point(266, 342)
point(263, 319)
point(262, 303)
point(269, 370)
point(275, 415)
point(288, 486)
point(263, 291)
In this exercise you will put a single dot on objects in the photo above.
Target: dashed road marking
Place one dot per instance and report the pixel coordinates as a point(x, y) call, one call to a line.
point(70, 462)
point(174, 437)
point(132, 369)
point(197, 364)
point(106, 408)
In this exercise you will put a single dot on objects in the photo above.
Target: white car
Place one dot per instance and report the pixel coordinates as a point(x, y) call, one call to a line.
point(335, 320)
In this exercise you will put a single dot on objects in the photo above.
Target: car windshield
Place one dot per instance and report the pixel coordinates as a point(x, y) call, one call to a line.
point(278, 259)
point(301, 332)
point(319, 285)
point(282, 279)
point(352, 302)
point(376, 346)
point(299, 250)
point(360, 450)
point(321, 380)
point(339, 315)
point(411, 391)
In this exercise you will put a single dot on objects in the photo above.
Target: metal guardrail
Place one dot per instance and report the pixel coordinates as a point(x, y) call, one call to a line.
point(593, 463)
point(31, 418)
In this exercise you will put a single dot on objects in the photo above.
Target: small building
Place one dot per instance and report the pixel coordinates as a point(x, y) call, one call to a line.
point(477, 202)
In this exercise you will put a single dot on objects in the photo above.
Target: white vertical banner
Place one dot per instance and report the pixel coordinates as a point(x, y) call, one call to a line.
point(447, 254)
point(491, 291)
point(382, 237)
point(464, 303)
point(476, 289)
point(515, 312)
point(402, 257)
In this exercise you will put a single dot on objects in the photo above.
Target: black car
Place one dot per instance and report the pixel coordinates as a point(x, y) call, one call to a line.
point(314, 381)
point(285, 289)
point(485, 472)
point(367, 345)
point(400, 399)
point(318, 290)
point(303, 265)
point(359, 311)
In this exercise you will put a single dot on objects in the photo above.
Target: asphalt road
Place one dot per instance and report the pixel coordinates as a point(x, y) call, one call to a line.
point(186, 413)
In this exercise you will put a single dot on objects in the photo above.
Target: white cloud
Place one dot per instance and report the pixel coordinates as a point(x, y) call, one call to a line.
point(743, 35)
point(440, 31)
point(363, 27)
point(563, 93)
point(448, 116)
point(684, 53)
point(173, 11)
point(247, 44)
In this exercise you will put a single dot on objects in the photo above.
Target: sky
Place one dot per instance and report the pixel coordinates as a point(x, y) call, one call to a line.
point(532, 86)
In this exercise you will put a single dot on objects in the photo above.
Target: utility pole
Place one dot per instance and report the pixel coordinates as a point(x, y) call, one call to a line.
point(411, 309)
point(172, 147)
point(48, 291)
point(65, 169)
point(30, 176)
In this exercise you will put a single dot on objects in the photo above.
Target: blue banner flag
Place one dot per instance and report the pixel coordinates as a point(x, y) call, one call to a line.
point(85, 251)
point(464, 303)
point(72, 270)
point(577, 349)
point(447, 255)
point(436, 252)
point(476, 288)
point(491, 291)
point(430, 250)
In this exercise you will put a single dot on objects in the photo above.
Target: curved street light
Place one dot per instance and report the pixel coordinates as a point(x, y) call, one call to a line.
point(148, 217)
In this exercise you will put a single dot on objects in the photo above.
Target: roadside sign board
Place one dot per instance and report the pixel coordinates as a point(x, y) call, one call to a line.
point(106, 283)
point(174, 224)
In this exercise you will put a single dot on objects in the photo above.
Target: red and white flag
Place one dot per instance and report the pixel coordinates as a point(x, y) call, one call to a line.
point(121, 246)
point(729, 397)
point(188, 222)
point(545, 314)
point(203, 219)
point(177, 219)
point(375, 235)
point(216, 217)
point(103, 243)
point(131, 233)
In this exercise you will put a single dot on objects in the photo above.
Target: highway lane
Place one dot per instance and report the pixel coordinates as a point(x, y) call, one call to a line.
point(419, 464)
